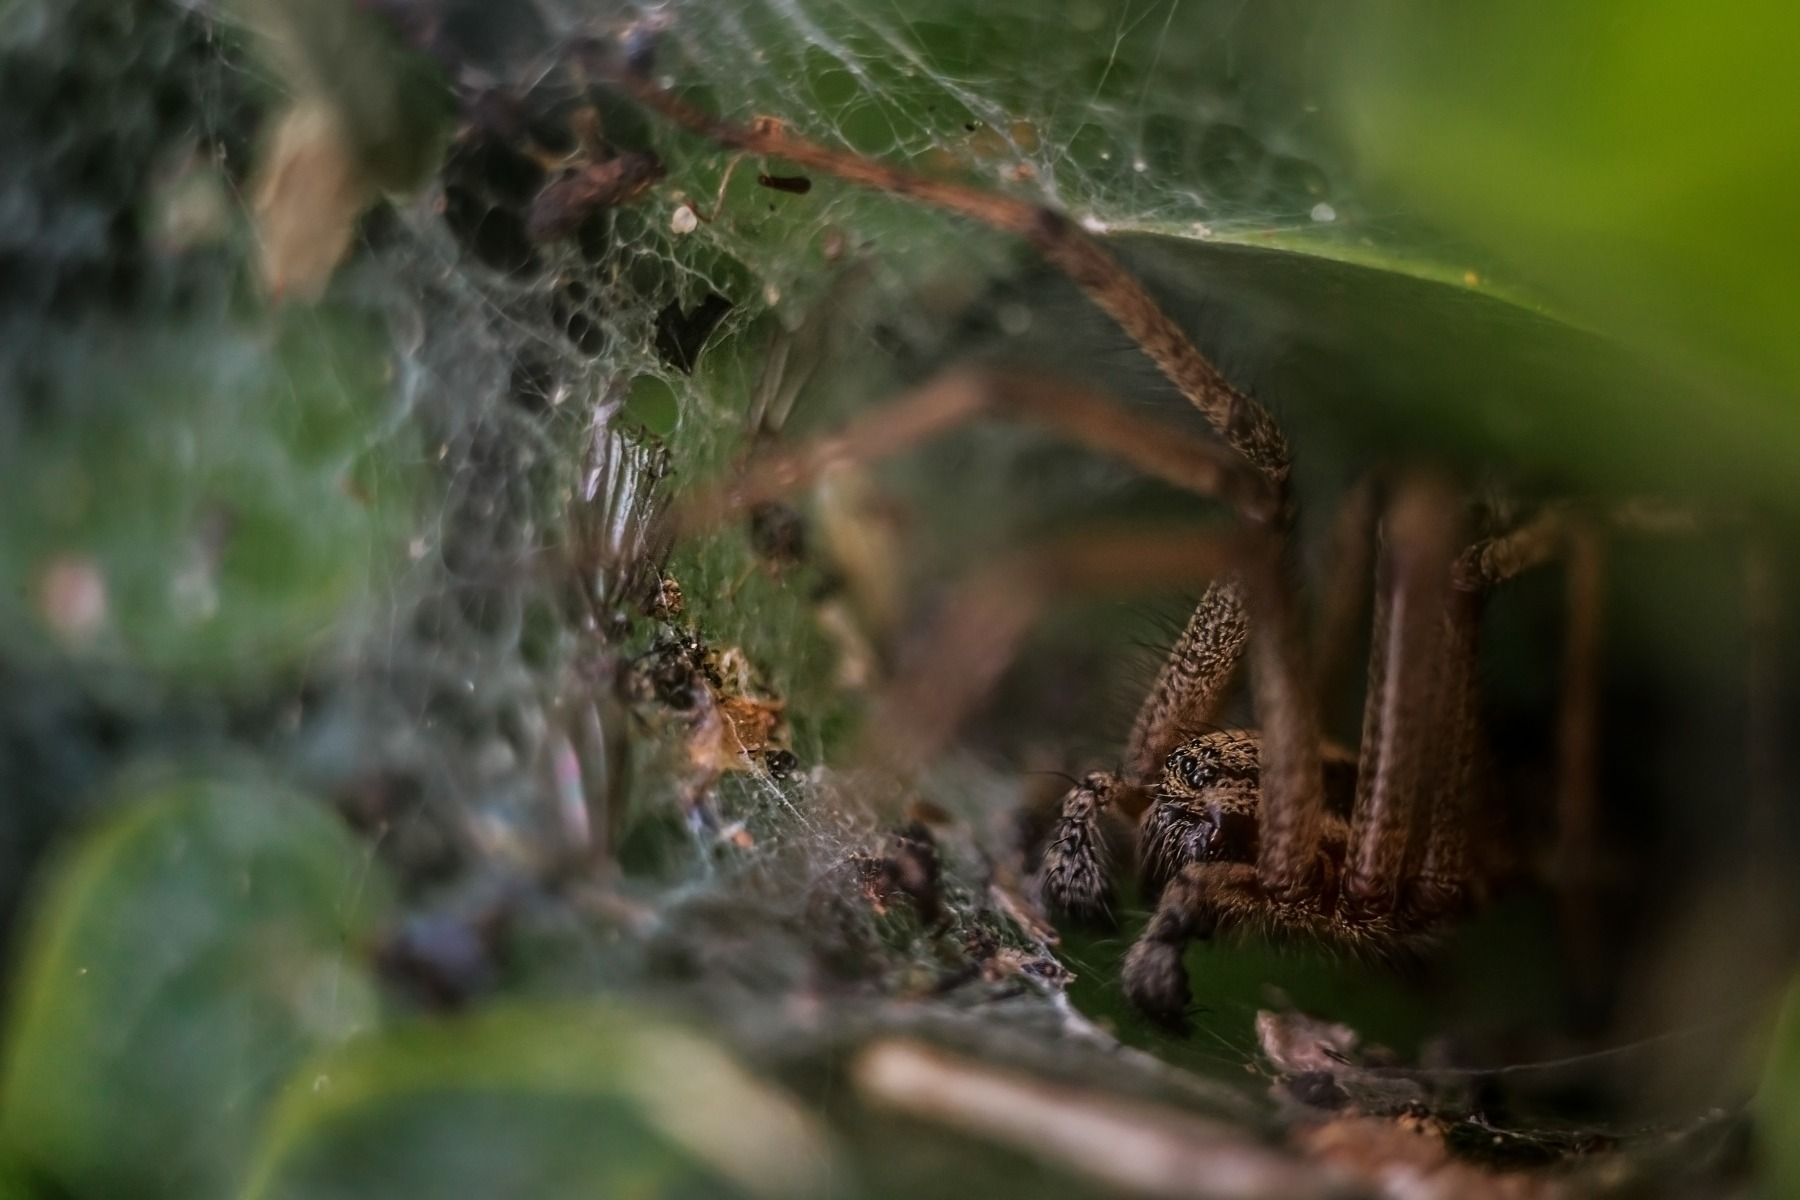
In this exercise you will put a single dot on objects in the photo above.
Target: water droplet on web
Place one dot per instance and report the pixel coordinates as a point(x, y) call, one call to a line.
point(1323, 213)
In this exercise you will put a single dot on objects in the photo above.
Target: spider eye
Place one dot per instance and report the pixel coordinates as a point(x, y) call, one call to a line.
point(1193, 771)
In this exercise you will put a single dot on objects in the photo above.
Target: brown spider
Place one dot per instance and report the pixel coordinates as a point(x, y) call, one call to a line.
point(1272, 831)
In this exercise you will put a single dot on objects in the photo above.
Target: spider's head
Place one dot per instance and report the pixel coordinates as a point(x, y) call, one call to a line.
point(1205, 809)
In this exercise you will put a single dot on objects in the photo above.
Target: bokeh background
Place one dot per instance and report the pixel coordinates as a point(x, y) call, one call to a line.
point(365, 822)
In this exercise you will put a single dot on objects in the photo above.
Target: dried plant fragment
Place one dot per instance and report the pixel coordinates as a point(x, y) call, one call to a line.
point(309, 192)
point(561, 208)
point(1296, 1043)
point(1144, 1149)
point(1408, 1159)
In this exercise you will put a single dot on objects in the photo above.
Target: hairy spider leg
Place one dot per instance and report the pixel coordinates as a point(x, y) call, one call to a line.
point(1193, 684)
point(1404, 715)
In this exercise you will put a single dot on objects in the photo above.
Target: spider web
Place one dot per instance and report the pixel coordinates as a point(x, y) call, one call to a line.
point(550, 396)
point(555, 401)
point(478, 709)
point(483, 711)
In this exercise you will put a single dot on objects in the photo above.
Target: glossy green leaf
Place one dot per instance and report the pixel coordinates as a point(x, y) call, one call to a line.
point(188, 952)
point(1379, 361)
point(1635, 162)
point(596, 1099)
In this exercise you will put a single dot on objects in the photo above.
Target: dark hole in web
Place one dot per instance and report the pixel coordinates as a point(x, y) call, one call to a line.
point(483, 161)
point(583, 332)
point(594, 237)
point(495, 237)
point(533, 383)
point(681, 336)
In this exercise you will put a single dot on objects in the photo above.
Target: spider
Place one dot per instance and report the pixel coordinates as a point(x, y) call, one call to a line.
point(1274, 831)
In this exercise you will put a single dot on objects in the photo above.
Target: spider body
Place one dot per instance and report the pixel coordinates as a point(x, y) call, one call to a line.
point(1198, 841)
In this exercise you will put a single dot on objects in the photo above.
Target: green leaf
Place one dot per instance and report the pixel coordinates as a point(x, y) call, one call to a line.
point(1778, 1104)
point(187, 954)
point(1384, 359)
point(199, 500)
point(590, 1099)
point(1633, 161)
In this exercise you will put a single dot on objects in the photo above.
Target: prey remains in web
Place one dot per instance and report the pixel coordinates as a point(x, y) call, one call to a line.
point(1272, 832)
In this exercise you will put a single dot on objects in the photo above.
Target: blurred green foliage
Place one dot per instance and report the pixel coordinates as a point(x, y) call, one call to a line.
point(582, 1099)
point(1778, 1102)
point(1553, 235)
point(1632, 163)
point(199, 501)
point(395, 105)
point(191, 951)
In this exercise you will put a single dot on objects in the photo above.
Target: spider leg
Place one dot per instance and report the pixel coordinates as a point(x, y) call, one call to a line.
point(1575, 854)
point(1193, 684)
point(1293, 814)
point(1244, 424)
point(1202, 899)
point(1405, 722)
point(1074, 877)
point(1453, 866)
point(959, 396)
point(1493, 560)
